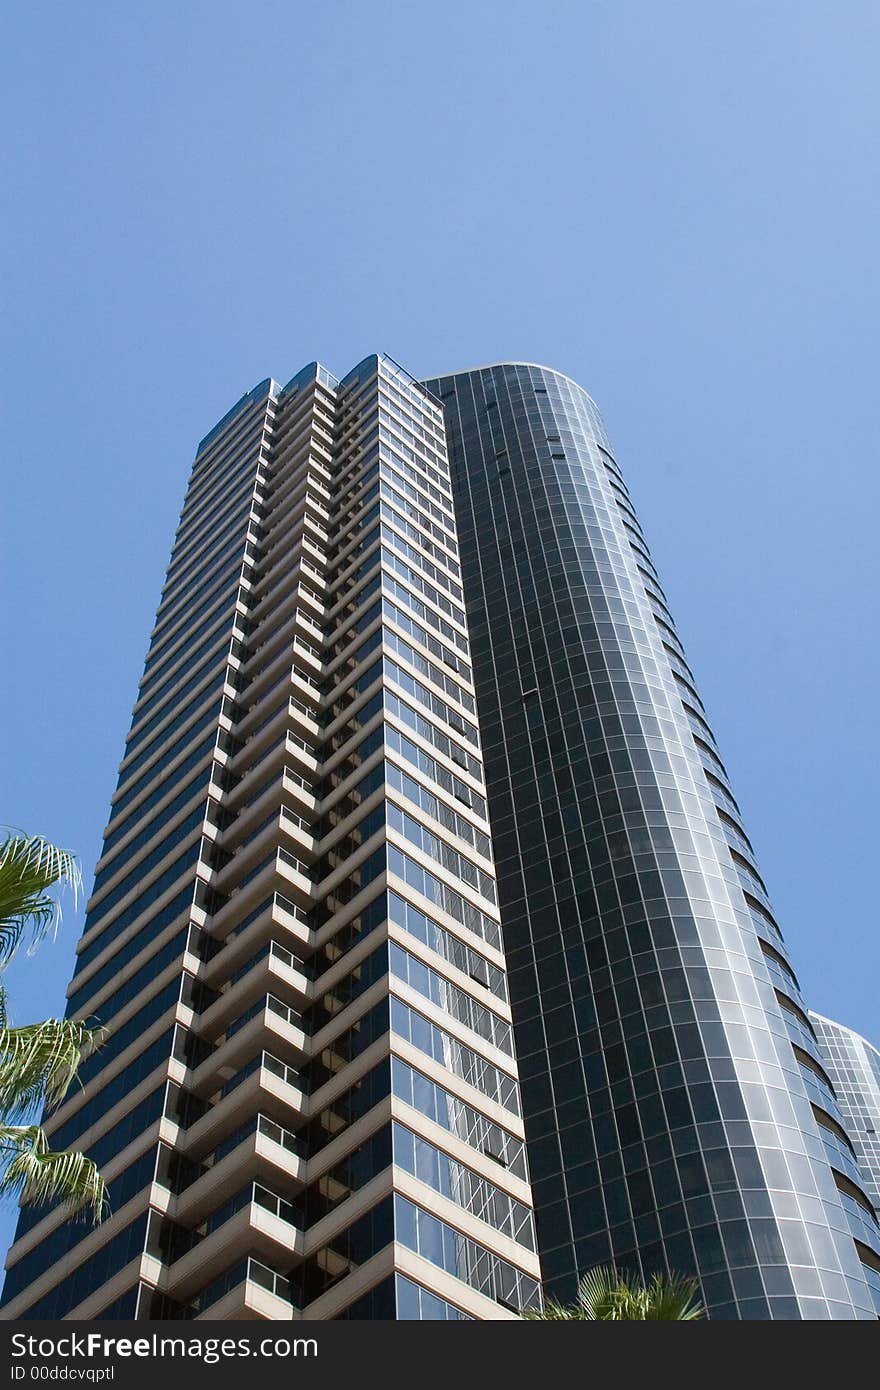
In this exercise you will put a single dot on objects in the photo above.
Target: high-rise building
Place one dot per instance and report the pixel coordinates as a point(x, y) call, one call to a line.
point(678, 1113)
point(319, 989)
point(853, 1065)
point(307, 1101)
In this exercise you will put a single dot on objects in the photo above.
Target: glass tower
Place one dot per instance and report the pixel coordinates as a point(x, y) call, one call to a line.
point(853, 1065)
point(679, 1113)
point(307, 1101)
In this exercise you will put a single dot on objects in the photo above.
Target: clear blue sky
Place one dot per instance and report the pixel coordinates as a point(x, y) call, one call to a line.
point(674, 202)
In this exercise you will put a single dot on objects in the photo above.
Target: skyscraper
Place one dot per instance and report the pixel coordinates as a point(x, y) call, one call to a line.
point(678, 1113)
point(853, 1065)
point(307, 1102)
point(320, 990)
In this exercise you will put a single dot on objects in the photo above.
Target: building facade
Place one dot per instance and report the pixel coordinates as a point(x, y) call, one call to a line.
point(307, 1102)
point(399, 619)
point(678, 1112)
point(853, 1064)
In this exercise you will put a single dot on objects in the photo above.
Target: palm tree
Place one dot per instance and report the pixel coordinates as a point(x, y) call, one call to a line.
point(604, 1295)
point(38, 1063)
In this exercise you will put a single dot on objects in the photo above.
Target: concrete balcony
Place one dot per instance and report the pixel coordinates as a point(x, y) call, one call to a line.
point(248, 900)
point(297, 833)
point(303, 756)
point(265, 707)
point(309, 555)
point(259, 1149)
point(313, 601)
point(254, 775)
point(263, 1227)
point(274, 971)
point(244, 845)
point(294, 875)
point(279, 870)
point(271, 1027)
point(259, 731)
point(261, 602)
point(249, 1291)
point(303, 499)
point(267, 1086)
point(312, 630)
point(277, 919)
point(246, 812)
point(282, 562)
point(296, 787)
point(272, 826)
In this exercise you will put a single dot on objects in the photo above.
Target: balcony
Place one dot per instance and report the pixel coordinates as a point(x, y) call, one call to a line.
point(250, 1290)
point(279, 866)
point(296, 875)
point(259, 1148)
point(296, 786)
point(275, 918)
point(252, 778)
point(266, 1085)
point(267, 1024)
point(254, 1221)
point(272, 968)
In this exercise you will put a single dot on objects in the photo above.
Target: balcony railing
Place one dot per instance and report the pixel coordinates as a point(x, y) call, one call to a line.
point(264, 1061)
point(259, 1124)
point(274, 1006)
point(277, 952)
point(247, 1271)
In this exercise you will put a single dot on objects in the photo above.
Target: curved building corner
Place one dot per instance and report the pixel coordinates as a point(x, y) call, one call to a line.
point(679, 1115)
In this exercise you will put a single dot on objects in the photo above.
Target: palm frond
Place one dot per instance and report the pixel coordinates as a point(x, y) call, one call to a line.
point(607, 1295)
point(37, 1176)
point(674, 1297)
point(600, 1294)
point(553, 1312)
point(29, 867)
point(38, 1063)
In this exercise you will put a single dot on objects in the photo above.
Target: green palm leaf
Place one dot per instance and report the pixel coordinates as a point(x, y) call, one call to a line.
point(38, 1063)
point(673, 1297)
point(605, 1295)
point(553, 1312)
point(29, 867)
point(602, 1295)
point(37, 1176)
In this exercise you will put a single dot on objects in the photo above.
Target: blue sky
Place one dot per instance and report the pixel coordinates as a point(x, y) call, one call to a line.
point(674, 203)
